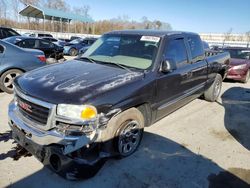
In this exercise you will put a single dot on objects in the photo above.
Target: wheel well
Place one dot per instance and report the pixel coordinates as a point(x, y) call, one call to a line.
point(146, 112)
point(222, 73)
point(11, 69)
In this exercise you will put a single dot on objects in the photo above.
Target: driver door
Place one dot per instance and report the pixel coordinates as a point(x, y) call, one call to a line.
point(172, 87)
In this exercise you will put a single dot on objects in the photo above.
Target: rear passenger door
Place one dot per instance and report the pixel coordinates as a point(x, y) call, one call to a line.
point(199, 64)
point(173, 88)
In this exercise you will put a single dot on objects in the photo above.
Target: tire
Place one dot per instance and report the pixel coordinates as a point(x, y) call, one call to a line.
point(214, 90)
point(73, 52)
point(247, 77)
point(7, 78)
point(125, 132)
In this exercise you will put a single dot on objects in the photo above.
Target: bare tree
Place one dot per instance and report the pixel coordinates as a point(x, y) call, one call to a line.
point(248, 38)
point(30, 2)
point(82, 10)
point(3, 9)
point(157, 24)
point(57, 4)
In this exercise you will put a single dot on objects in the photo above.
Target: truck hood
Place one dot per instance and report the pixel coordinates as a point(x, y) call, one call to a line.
point(73, 82)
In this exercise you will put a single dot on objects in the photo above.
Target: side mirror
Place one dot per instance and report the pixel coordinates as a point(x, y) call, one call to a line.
point(168, 65)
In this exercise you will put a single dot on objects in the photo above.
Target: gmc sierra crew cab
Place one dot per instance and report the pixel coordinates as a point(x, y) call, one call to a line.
point(72, 116)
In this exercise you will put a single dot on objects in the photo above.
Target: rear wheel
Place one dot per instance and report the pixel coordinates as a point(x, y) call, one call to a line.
point(247, 77)
point(73, 52)
point(214, 90)
point(7, 78)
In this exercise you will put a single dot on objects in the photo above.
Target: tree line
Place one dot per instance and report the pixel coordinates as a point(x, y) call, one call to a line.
point(9, 16)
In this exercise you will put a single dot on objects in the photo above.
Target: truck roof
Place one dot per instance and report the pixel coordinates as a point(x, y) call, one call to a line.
point(157, 33)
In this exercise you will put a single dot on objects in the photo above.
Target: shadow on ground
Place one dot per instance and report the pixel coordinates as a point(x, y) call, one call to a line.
point(236, 102)
point(16, 151)
point(159, 162)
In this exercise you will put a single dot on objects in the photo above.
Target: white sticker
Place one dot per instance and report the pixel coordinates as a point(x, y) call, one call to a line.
point(150, 38)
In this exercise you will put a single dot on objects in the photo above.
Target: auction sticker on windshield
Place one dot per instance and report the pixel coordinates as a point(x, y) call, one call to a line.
point(150, 38)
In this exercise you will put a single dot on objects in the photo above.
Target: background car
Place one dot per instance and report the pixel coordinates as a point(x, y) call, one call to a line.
point(6, 32)
point(240, 63)
point(74, 37)
point(55, 41)
point(50, 49)
point(15, 61)
point(73, 47)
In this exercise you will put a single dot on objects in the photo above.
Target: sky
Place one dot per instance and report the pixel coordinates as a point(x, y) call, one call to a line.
point(203, 16)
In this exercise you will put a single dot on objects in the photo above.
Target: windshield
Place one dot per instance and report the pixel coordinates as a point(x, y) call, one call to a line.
point(239, 53)
point(135, 51)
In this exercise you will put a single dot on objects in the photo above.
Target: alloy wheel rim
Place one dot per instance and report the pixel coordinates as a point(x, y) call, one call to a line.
point(129, 138)
point(217, 89)
point(8, 80)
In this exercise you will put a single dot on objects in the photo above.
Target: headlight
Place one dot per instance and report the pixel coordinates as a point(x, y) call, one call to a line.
point(243, 66)
point(80, 112)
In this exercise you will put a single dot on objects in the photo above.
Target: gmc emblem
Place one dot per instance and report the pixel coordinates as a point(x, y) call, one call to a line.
point(24, 106)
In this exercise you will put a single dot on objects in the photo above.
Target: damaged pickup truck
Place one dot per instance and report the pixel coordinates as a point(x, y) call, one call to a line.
point(75, 115)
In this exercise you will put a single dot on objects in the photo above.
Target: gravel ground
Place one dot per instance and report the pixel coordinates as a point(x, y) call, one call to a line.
point(201, 145)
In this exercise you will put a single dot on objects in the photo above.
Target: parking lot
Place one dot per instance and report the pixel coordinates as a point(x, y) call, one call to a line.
point(201, 145)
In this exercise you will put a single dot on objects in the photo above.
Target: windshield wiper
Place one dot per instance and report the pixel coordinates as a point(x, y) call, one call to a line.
point(118, 65)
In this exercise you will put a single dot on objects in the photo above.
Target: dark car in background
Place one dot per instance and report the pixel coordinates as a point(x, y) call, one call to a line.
point(240, 63)
point(74, 37)
point(50, 49)
point(55, 41)
point(73, 47)
point(15, 61)
point(6, 32)
point(84, 49)
point(44, 35)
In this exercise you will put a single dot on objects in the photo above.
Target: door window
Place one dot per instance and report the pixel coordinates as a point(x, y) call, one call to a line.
point(44, 44)
point(29, 43)
point(176, 50)
point(196, 48)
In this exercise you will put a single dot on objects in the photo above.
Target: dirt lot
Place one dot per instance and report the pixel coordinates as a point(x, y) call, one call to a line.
point(201, 145)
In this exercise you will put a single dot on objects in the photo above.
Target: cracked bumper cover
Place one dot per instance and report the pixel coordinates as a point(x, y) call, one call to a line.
point(44, 143)
point(44, 137)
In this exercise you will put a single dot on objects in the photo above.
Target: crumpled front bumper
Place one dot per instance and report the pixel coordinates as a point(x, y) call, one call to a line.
point(54, 149)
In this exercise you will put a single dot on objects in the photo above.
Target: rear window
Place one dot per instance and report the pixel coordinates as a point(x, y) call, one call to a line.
point(45, 44)
point(8, 33)
point(196, 48)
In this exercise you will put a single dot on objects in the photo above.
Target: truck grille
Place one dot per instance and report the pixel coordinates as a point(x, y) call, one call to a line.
point(34, 112)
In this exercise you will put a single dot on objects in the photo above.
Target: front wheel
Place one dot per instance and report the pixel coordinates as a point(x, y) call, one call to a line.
point(7, 78)
point(214, 90)
point(73, 52)
point(125, 131)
